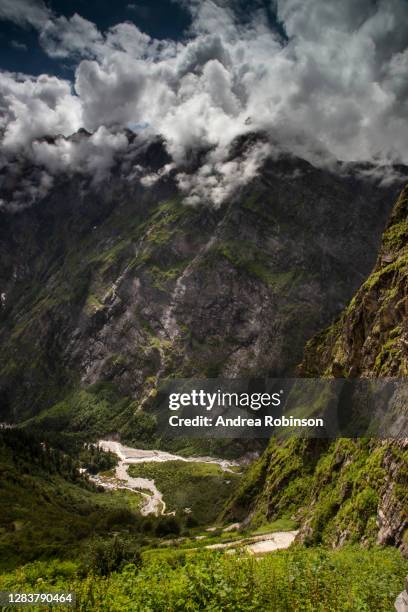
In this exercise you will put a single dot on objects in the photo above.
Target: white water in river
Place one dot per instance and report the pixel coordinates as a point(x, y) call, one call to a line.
point(154, 503)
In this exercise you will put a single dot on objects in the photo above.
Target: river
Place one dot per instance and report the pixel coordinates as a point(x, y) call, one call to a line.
point(154, 503)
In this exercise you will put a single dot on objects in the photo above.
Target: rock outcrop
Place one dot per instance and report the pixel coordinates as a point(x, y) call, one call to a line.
point(371, 337)
point(401, 603)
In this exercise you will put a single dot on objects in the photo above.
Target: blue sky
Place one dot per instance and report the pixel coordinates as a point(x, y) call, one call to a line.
point(20, 50)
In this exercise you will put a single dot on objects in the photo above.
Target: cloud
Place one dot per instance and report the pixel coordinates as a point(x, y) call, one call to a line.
point(92, 155)
point(110, 94)
point(218, 179)
point(24, 187)
point(25, 12)
point(32, 107)
point(18, 45)
point(148, 180)
point(62, 37)
point(338, 77)
point(89, 155)
point(334, 87)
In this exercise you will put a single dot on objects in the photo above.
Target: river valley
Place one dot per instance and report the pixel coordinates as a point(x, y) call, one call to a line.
point(153, 498)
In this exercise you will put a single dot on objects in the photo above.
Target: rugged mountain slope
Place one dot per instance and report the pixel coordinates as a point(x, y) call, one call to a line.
point(348, 490)
point(124, 284)
point(371, 337)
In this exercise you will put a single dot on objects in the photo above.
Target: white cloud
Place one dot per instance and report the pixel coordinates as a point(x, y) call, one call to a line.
point(218, 179)
point(110, 93)
point(31, 187)
point(34, 107)
point(62, 37)
point(93, 155)
point(25, 12)
point(148, 180)
point(89, 155)
point(336, 88)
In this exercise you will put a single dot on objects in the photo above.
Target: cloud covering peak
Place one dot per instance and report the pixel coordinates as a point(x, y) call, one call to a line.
point(330, 81)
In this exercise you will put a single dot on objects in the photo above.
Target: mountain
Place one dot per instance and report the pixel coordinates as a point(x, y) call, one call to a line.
point(371, 337)
point(347, 490)
point(109, 287)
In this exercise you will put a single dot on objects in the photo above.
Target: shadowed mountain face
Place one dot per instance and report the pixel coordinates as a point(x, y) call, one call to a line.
point(125, 284)
point(370, 339)
point(347, 490)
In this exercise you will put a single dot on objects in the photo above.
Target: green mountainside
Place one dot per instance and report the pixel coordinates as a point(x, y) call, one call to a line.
point(104, 294)
point(347, 490)
point(107, 292)
point(370, 339)
point(48, 509)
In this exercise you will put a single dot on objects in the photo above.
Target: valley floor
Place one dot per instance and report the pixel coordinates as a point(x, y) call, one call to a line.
point(153, 498)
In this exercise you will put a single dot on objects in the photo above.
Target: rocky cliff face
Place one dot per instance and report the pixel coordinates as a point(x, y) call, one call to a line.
point(124, 284)
point(371, 337)
point(348, 490)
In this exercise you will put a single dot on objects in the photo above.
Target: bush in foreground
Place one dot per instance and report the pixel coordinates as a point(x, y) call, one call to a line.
point(310, 580)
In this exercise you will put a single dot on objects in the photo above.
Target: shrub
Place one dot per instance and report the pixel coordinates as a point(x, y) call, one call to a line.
point(107, 556)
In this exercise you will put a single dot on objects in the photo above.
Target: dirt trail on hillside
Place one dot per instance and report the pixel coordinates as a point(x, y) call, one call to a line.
point(262, 543)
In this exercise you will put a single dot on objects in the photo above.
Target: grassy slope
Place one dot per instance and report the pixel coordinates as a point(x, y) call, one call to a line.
point(53, 517)
point(334, 492)
point(370, 338)
point(78, 285)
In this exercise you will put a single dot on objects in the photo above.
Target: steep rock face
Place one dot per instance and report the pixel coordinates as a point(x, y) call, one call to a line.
point(371, 338)
point(348, 490)
point(126, 284)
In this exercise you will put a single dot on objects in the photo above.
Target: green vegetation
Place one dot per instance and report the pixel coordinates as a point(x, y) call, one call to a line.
point(163, 275)
point(74, 279)
point(283, 524)
point(74, 535)
point(278, 483)
point(71, 536)
point(202, 488)
point(298, 579)
point(48, 509)
point(346, 486)
point(92, 410)
point(376, 347)
point(95, 460)
point(98, 410)
point(255, 262)
point(334, 488)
